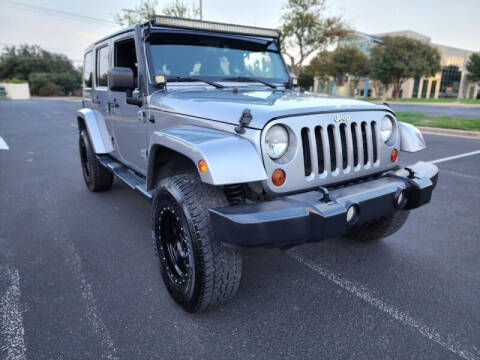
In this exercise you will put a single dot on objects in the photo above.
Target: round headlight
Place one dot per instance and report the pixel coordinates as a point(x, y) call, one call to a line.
point(276, 141)
point(386, 130)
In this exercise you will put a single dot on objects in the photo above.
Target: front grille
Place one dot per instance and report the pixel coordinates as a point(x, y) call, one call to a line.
point(333, 149)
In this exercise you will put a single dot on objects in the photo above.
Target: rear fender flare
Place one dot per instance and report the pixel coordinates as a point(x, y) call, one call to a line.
point(97, 130)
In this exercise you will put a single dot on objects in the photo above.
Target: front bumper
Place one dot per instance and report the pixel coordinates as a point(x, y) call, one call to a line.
point(307, 217)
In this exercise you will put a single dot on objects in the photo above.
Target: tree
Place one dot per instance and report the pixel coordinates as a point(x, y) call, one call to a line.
point(398, 59)
point(318, 68)
point(339, 64)
point(345, 61)
point(142, 12)
point(306, 30)
point(473, 67)
point(23, 60)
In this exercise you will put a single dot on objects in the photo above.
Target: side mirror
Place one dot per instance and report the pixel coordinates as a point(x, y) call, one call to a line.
point(120, 79)
point(292, 81)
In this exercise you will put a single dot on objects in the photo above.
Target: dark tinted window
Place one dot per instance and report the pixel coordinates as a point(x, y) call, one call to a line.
point(125, 56)
point(87, 70)
point(102, 66)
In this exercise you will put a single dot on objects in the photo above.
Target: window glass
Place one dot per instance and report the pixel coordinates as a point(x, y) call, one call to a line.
point(125, 56)
point(216, 58)
point(102, 66)
point(87, 70)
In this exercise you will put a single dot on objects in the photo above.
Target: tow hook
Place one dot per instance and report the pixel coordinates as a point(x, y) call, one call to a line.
point(326, 194)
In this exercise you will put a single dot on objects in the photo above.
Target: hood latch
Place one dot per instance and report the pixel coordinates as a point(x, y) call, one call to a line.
point(244, 121)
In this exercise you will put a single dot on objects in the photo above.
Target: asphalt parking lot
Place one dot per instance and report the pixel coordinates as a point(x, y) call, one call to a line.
point(79, 278)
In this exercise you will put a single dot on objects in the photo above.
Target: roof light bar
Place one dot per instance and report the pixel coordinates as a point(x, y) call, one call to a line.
point(169, 21)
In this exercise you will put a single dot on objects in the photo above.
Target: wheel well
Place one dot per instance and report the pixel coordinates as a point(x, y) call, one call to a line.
point(81, 124)
point(164, 162)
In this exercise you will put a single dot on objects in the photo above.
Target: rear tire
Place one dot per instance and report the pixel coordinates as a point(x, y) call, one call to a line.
point(96, 176)
point(198, 270)
point(381, 228)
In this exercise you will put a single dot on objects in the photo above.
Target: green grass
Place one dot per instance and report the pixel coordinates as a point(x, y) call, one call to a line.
point(445, 122)
point(432, 101)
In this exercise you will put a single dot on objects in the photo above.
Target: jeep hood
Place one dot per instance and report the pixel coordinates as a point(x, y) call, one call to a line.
point(227, 105)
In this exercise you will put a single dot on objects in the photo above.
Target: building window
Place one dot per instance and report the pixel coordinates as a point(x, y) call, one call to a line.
point(416, 84)
point(87, 70)
point(450, 82)
point(102, 67)
point(424, 88)
point(433, 88)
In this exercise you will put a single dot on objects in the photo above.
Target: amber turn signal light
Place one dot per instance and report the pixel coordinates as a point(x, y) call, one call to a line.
point(202, 166)
point(278, 177)
point(394, 155)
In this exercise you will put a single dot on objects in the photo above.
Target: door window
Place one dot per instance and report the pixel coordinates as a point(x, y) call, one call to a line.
point(125, 56)
point(102, 67)
point(87, 70)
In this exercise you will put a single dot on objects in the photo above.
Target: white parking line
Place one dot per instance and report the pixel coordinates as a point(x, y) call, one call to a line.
point(455, 157)
point(466, 176)
point(12, 319)
point(3, 144)
point(446, 342)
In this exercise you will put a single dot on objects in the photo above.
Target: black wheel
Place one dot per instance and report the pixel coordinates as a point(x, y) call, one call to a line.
point(198, 270)
point(96, 176)
point(381, 228)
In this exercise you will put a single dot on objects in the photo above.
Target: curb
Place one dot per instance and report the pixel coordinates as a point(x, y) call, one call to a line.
point(434, 104)
point(450, 132)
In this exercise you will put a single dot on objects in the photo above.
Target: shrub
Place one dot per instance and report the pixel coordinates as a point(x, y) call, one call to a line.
point(50, 89)
point(37, 81)
point(67, 81)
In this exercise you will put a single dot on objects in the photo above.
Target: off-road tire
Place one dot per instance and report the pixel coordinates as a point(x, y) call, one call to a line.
point(96, 176)
point(215, 274)
point(381, 228)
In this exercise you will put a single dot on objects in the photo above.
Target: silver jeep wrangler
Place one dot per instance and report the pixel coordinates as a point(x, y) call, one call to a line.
point(204, 120)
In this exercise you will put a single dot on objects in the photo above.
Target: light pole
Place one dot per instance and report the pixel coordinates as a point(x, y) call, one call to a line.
point(201, 10)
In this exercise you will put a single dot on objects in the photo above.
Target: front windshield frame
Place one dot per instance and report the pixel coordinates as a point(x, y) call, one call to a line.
point(271, 45)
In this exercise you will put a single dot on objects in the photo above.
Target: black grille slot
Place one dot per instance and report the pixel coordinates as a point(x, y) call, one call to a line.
point(355, 144)
point(331, 144)
point(374, 140)
point(318, 140)
point(307, 158)
point(365, 146)
point(343, 139)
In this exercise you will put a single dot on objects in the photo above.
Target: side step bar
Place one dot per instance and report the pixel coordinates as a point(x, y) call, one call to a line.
point(126, 175)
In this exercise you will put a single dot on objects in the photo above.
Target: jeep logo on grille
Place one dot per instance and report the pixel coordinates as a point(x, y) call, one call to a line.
point(341, 118)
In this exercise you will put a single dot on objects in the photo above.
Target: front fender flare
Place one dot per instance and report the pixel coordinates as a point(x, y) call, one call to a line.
point(411, 139)
point(97, 130)
point(231, 159)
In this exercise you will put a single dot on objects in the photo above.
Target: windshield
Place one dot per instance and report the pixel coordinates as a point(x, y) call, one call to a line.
point(215, 58)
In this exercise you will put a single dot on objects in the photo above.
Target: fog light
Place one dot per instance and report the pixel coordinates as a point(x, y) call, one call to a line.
point(401, 200)
point(278, 177)
point(352, 214)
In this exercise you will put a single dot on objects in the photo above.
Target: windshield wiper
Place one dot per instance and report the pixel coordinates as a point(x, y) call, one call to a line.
point(250, 79)
point(192, 79)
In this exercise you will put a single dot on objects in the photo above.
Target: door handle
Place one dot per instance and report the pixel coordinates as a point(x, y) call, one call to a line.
point(96, 101)
point(113, 104)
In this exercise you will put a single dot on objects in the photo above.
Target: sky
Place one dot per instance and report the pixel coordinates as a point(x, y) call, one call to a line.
point(446, 22)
